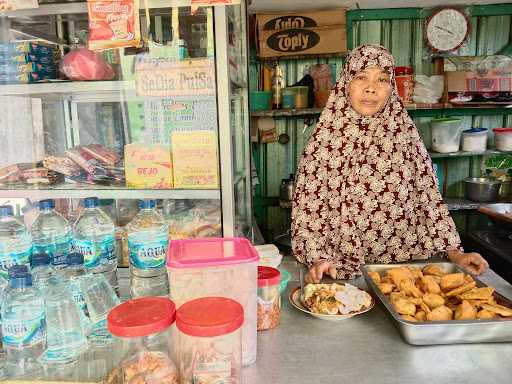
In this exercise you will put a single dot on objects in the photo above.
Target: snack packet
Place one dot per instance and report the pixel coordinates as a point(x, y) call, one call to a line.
point(113, 24)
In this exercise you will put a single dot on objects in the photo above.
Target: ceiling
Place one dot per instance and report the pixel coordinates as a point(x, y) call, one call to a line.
point(295, 5)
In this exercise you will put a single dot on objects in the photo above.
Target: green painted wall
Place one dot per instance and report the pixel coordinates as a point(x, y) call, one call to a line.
point(405, 40)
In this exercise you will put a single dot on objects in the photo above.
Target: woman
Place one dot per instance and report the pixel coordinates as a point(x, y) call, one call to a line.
point(365, 190)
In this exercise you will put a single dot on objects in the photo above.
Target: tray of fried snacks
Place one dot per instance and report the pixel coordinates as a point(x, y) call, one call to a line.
point(440, 304)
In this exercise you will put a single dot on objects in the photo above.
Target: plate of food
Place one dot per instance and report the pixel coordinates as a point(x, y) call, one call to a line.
point(333, 302)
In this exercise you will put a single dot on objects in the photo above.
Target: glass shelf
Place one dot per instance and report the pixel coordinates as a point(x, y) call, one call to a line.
point(489, 152)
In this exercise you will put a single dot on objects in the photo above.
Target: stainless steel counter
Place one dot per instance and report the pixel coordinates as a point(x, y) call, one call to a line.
point(368, 349)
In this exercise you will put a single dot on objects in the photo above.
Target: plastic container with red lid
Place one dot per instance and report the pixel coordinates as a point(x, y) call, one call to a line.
point(210, 340)
point(223, 267)
point(503, 139)
point(405, 83)
point(269, 298)
point(144, 347)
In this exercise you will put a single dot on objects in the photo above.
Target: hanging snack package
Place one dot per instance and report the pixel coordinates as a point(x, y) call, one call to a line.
point(113, 24)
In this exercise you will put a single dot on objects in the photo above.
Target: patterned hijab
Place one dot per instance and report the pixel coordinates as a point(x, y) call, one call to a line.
point(365, 188)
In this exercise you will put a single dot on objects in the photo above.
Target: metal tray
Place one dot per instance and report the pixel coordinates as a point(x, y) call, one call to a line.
point(443, 332)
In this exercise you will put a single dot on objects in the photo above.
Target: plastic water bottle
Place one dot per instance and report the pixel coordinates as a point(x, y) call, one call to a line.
point(15, 243)
point(94, 238)
point(66, 338)
point(148, 240)
point(23, 326)
point(51, 234)
point(75, 273)
point(41, 272)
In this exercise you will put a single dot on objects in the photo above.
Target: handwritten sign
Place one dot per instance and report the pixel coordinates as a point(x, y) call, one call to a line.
point(162, 77)
point(148, 166)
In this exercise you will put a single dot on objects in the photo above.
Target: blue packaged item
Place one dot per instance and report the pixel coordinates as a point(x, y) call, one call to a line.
point(17, 68)
point(6, 58)
point(36, 48)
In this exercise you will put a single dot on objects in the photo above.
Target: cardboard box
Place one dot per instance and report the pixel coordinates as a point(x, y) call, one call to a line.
point(479, 74)
point(277, 21)
point(305, 41)
point(301, 33)
point(148, 166)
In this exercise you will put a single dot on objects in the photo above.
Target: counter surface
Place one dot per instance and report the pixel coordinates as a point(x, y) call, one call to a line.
point(369, 349)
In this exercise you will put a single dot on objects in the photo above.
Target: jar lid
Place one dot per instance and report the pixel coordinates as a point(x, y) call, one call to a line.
point(502, 130)
point(141, 317)
point(403, 70)
point(268, 276)
point(210, 317)
point(475, 130)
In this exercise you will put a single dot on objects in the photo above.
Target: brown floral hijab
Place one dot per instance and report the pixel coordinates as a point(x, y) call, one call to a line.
point(365, 189)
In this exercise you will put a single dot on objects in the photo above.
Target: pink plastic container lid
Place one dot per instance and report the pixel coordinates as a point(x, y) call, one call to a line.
point(210, 317)
point(268, 276)
point(211, 252)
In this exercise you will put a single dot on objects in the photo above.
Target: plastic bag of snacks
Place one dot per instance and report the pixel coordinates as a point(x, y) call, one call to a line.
point(83, 64)
point(113, 24)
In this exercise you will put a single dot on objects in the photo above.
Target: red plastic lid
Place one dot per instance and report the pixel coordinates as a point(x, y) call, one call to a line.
point(209, 317)
point(141, 317)
point(502, 130)
point(268, 276)
point(403, 71)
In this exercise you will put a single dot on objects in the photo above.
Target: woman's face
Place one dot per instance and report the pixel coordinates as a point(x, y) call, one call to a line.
point(369, 91)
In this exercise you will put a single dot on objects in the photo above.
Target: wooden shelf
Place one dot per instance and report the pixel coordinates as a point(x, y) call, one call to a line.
point(489, 152)
point(304, 57)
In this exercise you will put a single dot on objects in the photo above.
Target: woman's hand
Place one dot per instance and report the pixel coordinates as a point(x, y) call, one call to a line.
point(317, 271)
point(471, 262)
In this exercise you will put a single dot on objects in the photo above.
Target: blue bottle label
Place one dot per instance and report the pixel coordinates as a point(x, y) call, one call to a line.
point(80, 303)
point(58, 250)
point(7, 260)
point(24, 331)
point(96, 253)
point(150, 253)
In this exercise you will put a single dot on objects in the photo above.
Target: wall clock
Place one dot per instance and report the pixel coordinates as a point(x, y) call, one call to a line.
point(446, 29)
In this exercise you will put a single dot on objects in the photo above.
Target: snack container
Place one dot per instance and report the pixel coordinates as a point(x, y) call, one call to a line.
point(144, 348)
point(210, 341)
point(503, 139)
point(223, 267)
point(269, 298)
point(442, 332)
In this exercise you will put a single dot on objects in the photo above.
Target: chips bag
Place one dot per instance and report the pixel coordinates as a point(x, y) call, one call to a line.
point(113, 24)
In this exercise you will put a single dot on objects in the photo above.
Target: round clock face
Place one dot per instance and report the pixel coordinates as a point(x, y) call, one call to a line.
point(447, 29)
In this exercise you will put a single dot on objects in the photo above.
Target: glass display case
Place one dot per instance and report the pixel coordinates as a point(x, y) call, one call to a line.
point(166, 120)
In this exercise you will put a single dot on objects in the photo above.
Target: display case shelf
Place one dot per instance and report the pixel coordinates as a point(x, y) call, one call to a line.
point(489, 152)
point(462, 204)
point(79, 191)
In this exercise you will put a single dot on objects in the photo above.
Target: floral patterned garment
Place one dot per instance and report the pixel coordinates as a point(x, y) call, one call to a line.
point(365, 189)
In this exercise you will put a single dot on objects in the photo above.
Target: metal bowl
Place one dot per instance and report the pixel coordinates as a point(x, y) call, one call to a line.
point(482, 189)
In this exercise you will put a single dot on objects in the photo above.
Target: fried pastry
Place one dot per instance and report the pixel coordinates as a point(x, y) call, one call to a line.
point(409, 318)
point(441, 313)
point(404, 307)
point(433, 300)
point(432, 269)
point(451, 281)
point(386, 288)
point(375, 277)
point(420, 315)
point(484, 293)
point(429, 284)
point(463, 288)
point(424, 307)
point(399, 274)
point(484, 314)
point(499, 309)
point(407, 286)
point(465, 311)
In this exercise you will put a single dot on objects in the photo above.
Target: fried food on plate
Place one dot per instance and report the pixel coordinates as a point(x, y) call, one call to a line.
point(451, 281)
point(499, 309)
point(375, 277)
point(404, 307)
point(386, 288)
point(420, 315)
point(430, 285)
point(407, 286)
point(441, 313)
point(433, 300)
point(484, 293)
point(409, 318)
point(432, 269)
point(465, 311)
point(463, 288)
point(399, 274)
point(485, 314)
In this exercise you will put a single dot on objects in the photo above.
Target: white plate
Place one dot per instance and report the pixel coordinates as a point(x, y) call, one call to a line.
point(296, 301)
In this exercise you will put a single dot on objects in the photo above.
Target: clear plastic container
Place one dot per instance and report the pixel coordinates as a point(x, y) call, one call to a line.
point(143, 341)
point(503, 139)
point(225, 267)
point(288, 98)
point(301, 97)
point(446, 135)
point(474, 140)
point(209, 341)
point(269, 298)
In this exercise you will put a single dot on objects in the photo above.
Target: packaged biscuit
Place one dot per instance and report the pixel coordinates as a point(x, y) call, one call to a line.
point(32, 47)
point(113, 24)
point(27, 58)
point(16, 68)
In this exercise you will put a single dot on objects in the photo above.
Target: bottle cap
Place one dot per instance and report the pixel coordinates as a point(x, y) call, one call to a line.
point(40, 259)
point(75, 259)
point(47, 204)
point(91, 202)
point(6, 210)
